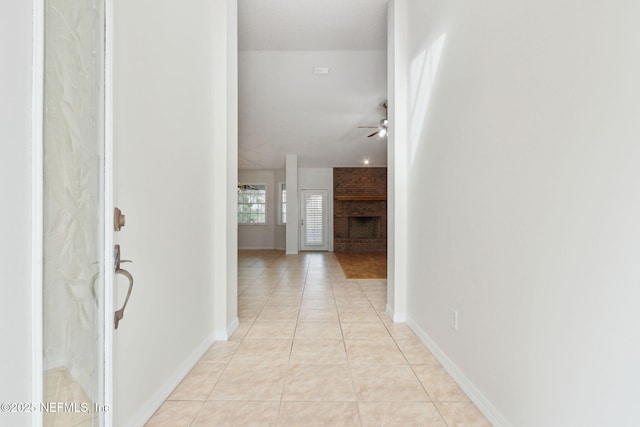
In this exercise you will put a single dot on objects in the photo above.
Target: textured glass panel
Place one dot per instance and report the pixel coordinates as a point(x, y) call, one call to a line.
point(73, 282)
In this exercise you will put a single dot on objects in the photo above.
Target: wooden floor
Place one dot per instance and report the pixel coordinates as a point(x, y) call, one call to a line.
point(363, 266)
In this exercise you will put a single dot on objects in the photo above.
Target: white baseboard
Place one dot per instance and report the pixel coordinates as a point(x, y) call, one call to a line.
point(389, 311)
point(224, 335)
point(396, 317)
point(257, 248)
point(292, 253)
point(400, 317)
point(486, 407)
point(153, 403)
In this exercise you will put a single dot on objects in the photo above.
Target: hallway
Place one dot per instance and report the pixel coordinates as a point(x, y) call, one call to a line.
point(314, 348)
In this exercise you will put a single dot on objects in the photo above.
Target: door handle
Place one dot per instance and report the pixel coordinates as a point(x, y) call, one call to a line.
point(119, 314)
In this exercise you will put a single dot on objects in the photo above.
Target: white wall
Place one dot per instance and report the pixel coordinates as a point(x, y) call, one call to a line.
point(224, 24)
point(293, 218)
point(319, 179)
point(273, 235)
point(280, 238)
point(263, 236)
point(166, 82)
point(397, 159)
point(523, 146)
point(15, 215)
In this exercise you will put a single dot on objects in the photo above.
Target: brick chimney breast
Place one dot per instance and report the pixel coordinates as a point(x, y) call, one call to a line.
point(360, 210)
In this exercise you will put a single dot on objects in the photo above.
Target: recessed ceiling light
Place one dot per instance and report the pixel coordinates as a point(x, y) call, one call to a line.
point(321, 70)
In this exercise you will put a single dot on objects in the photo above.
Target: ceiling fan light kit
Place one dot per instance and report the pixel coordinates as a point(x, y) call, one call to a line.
point(382, 128)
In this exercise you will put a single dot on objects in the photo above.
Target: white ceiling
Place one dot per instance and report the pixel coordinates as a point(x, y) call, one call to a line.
point(284, 108)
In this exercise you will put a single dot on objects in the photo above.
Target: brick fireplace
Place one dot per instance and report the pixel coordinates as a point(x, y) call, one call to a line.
point(360, 210)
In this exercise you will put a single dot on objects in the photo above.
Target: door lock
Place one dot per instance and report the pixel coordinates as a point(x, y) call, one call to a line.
point(118, 219)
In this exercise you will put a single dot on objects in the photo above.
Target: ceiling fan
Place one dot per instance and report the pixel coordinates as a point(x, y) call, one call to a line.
point(382, 128)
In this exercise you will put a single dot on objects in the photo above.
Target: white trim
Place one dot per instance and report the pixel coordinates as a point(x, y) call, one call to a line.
point(396, 317)
point(37, 188)
point(400, 317)
point(224, 335)
point(108, 212)
point(484, 405)
point(259, 248)
point(151, 405)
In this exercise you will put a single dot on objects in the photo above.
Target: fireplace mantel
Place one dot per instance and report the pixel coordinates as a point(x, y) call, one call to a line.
point(362, 198)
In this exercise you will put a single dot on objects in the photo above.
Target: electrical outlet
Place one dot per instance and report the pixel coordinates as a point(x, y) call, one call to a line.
point(453, 320)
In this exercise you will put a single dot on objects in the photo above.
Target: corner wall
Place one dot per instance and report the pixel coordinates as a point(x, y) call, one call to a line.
point(396, 155)
point(523, 148)
point(15, 215)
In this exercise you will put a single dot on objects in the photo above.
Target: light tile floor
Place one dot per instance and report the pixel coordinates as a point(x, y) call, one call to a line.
point(315, 349)
point(60, 386)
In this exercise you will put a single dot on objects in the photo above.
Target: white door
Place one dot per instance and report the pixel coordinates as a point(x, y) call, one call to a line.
point(77, 214)
point(314, 220)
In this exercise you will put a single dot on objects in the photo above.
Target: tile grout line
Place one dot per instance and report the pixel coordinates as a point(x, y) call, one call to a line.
point(316, 273)
point(295, 329)
point(344, 345)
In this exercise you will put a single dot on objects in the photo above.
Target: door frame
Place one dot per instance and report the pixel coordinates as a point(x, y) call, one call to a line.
point(37, 213)
point(109, 205)
point(326, 246)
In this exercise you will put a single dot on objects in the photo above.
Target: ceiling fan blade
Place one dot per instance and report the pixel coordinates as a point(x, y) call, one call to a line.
point(373, 134)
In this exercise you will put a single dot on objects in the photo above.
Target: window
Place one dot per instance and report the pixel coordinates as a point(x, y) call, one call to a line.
point(283, 203)
point(252, 208)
